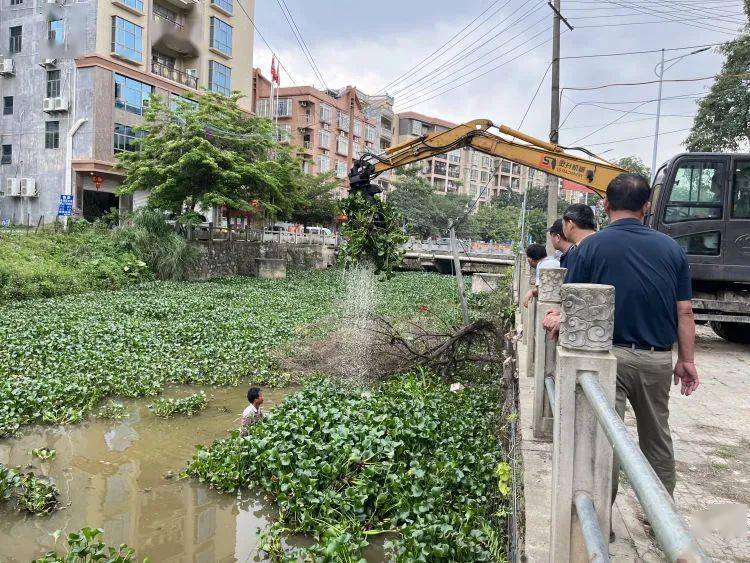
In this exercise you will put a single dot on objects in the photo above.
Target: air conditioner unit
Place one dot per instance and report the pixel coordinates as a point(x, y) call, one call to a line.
point(49, 104)
point(28, 187)
point(61, 104)
point(48, 63)
point(192, 72)
point(12, 187)
point(7, 67)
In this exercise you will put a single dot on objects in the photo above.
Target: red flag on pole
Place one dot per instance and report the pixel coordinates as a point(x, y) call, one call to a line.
point(274, 71)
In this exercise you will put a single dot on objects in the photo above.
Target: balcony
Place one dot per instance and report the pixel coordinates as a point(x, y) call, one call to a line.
point(176, 75)
point(171, 35)
point(305, 121)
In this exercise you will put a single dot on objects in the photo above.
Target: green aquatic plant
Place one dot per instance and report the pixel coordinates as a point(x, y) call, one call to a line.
point(62, 357)
point(44, 454)
point(408, 460)
point(9, 481)
point(112, 411)
point(36, 495)
point(167, 408)
point(85, 546)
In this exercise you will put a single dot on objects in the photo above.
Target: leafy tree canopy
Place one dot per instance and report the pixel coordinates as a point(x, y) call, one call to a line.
point(314, 201)
point(208, 152)
point(635, 165)
point(723, 119)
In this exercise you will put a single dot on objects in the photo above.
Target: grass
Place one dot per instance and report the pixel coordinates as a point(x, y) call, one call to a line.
point(49, 264)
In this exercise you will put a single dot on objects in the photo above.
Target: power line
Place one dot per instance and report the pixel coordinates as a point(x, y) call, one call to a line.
point(593, 26)
point(623, 53)
point(614, 84)
point(520, 124)
point(653, 13)
point(577, 141)
point(640, 119)
point(688, 9)
point(424, 99)
point(301, 41)
point(255, 27)
point(459, 57)
point(638, 138)
point(457, 34)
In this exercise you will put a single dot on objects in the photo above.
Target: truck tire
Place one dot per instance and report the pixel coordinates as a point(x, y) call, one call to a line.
point(732, 332)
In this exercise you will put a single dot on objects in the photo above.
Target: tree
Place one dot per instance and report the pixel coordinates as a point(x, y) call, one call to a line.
point(314, 201)
point(495, 222)
point(635, 165)
point(208, 153)
point(723, 119)
point(426, 213)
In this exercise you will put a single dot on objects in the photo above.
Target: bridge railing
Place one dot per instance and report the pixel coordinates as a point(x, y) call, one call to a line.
point(574, 396)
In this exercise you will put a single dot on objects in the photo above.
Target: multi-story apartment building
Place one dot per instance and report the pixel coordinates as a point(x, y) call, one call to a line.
point(77, 75)
point(379, 109)
point(330, 129)
point(466, 171)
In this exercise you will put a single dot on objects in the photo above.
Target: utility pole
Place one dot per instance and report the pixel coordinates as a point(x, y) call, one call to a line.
point(459, 275)
point(554, 125)
point(658, 115)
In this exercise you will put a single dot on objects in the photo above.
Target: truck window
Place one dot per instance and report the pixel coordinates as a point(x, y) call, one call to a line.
point(741, 194)
point(697, 192)
point(701, 244)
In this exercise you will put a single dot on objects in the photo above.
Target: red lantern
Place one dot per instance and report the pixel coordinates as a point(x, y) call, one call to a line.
point(342, 217)
point(255, 204)
point(98, 181)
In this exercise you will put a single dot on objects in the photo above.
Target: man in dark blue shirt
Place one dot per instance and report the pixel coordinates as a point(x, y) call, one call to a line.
point(652, 310)
point(577, 223)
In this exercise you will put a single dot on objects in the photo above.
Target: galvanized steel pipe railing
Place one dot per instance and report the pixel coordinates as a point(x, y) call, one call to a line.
point(549, 385)
point(671, 531)
point(592, 533)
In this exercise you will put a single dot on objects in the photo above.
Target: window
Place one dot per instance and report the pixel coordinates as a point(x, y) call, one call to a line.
point(370, 133)
point(307, 167)
point(263, 107)
point(440, 167)
point(53, 83)
point(284, 107)
point(416, 128)
point(357, 149)
point(454, 171)
point(516, 168)
point(136, 4)
point(16, 2)
point(506, 167)
point(283, 133)
point(15, 39)
point(484, 177)
point(163, 60)
point(56, 32)
point(486, 162)
point(225, 5)
point(326, 113)
point(323, 164)
point(127, 39)
point(166, 14)
point(7, 154)
point(8, 105)
point(324, 139)
point(131, 95)
point(221, 36)
point(701, 244)
point(342, 144)
point(474, 174)
point(125, 137)
point(175, 101)
point(340, 169)
point(697, 192)
point(454, 156)
point(52, 135)
point(357, 128)
point(741, 194)
point(219, 78)
point(343, 122)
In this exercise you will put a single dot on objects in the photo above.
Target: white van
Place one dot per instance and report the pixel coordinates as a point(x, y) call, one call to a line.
point(318, 231)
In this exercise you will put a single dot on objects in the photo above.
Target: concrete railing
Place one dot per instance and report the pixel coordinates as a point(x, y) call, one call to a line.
point(574, 396)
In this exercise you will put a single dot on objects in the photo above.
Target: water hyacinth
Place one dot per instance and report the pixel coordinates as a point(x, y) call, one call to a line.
point(61, 357)
point(167, 408)
point(408, 459)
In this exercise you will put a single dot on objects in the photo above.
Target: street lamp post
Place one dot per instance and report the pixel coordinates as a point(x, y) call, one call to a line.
point(660, 75)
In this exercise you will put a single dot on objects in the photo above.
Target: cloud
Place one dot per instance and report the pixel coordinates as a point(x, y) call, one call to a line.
point(369, 47)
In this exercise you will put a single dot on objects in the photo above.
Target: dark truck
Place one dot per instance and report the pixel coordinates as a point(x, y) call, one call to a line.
point(702, 200)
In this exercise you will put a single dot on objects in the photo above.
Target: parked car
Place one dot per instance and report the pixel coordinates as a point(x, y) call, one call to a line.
point(318, 231)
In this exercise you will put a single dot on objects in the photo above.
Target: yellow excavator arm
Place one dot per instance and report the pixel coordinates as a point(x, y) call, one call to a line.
point(595, 173)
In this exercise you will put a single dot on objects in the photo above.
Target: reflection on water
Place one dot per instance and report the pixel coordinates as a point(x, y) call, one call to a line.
point(112, 476)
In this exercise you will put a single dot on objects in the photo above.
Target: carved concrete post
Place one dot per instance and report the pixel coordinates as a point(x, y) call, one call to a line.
point(544, 348)
point(582, 455)
point(529, 326)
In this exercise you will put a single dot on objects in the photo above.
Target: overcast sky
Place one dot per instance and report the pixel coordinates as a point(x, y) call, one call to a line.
point(371, 44)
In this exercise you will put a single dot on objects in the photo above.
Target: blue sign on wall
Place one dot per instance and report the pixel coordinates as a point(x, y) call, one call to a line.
point(65, 207)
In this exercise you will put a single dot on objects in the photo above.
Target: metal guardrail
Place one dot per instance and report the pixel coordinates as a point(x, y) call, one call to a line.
point(670, 528)
point(592, 533)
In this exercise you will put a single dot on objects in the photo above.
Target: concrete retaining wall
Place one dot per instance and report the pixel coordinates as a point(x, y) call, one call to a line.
point(223, 259)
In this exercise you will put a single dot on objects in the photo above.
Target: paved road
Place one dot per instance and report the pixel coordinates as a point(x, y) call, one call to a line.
point(711, 432)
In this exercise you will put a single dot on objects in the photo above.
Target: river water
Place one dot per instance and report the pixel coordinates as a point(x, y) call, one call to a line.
point(111, 475)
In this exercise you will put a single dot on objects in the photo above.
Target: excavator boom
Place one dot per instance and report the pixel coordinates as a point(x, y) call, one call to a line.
point(594, 173)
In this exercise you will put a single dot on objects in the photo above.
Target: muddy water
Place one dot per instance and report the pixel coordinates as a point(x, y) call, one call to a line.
point(111, 475)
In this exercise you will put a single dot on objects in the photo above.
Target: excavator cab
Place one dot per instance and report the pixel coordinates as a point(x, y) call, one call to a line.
point(702, 200)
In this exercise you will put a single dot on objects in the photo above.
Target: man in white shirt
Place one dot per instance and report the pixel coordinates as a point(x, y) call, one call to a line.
point(252, 412)
point(536, 254)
